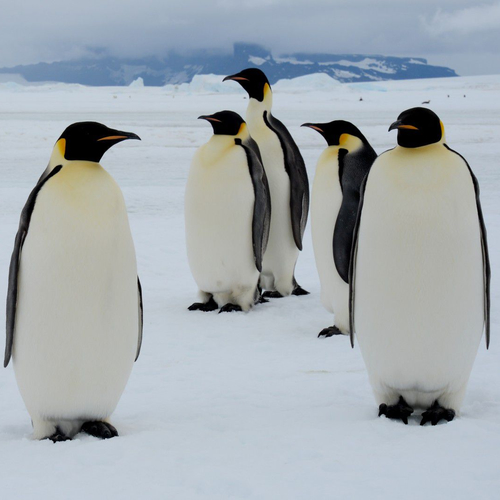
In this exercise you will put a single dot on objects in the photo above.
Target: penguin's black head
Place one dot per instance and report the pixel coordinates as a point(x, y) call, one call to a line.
point(253, 80)
point(224, 122)
point(418, 127)
point(88, 141)
point(333, 131)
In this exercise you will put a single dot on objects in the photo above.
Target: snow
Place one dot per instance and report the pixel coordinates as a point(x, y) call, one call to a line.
point(245, 406)
point(366, 63)
point(258, 61)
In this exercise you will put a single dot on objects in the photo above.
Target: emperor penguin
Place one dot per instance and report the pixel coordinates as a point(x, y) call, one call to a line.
point(74, 305)
point(227, 216)
point(335, 197)
point(288, 183)
point(420, 273)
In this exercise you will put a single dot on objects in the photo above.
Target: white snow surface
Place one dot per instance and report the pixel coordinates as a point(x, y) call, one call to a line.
point(245, 406)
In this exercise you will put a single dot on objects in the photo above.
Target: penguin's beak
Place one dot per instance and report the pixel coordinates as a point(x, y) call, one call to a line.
point(236, 77)
point(118, 135)
point(314, 126)
point(399, 124)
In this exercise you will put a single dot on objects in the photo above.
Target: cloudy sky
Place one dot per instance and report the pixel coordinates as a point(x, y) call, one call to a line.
point(464, 35)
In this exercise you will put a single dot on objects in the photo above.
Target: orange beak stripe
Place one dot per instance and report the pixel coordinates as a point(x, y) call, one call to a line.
point(409, 127)
point(112, 138)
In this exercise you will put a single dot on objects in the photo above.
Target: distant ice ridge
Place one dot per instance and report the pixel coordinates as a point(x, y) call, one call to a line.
point(316, 81)
point(205, 84)
point(213, 84)
point(138, 82)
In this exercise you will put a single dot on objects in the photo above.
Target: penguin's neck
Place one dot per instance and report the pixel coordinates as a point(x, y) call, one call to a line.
point(217, 146)
point(328, 158)
point(57, 156)
point(256, 110)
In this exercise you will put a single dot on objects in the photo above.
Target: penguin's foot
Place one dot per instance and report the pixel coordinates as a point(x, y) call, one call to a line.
point(99, 429)
point(400, 411)
point(229, 308)
point(272, 294)
point(261, 300)
point(58, 436)
point(329, 332)
point(436, 413)
point(211, 305)
point(298, 290)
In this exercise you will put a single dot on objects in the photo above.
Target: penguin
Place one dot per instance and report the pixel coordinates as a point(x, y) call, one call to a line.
point(420, 273)
point(227, 216)
point(74, 301)
point(335, 196)
point(288, 183)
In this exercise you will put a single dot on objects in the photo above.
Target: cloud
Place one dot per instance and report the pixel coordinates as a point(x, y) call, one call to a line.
point(54, 30)
point(467, 21)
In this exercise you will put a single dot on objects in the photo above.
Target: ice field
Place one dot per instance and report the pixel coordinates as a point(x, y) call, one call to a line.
point(245, 406)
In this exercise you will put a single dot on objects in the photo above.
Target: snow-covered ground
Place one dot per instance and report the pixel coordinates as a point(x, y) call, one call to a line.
point(250, 406)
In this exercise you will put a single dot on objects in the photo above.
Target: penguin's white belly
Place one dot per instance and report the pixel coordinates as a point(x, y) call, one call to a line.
point(282, 252)
point(219, 206)
point(77, 316)
point(419, 278)
point(326, 200)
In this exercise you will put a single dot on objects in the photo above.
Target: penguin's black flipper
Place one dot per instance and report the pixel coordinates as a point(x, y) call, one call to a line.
point(141, 318)
point(12, 290)
point(353, 168)
point(261, 220)
point(296, 170)
point(352, 260)
point(436, 413)
point(484, 246)
point(99, 429)
point(211, 305)
point(400, 411)
point(329, 331)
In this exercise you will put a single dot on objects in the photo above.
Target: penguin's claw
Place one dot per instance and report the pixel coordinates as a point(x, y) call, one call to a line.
point(400, 411)
point(329, 332)
point(58, 436)
point(436, 413)
point(272, 294)
point(228, 308)
point(298, 290)
point(99, 429)
point(211, 305)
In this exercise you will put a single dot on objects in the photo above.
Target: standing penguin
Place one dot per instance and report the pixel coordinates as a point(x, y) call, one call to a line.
point(334, 207)
point(227, 214)
point(74, 306)
point(420, 274)
point(288, 185)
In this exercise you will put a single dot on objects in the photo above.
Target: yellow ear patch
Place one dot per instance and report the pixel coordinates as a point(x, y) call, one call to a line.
point(350, 142)
point(61, 145)
point(343, 139)
point(442, 128)
point(242, 129)
point(267, 89)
